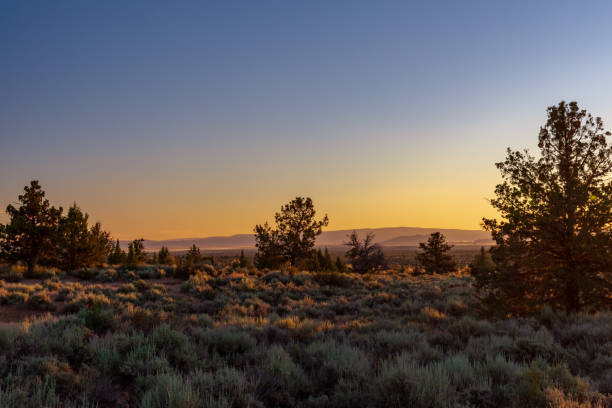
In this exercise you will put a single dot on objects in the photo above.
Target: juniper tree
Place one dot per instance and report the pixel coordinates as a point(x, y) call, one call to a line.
point(482, 265)
point(136, 253)
point(365, 255)
point(326, 262)
point(73, 242)
point(314, 263)
point(340, 265)
point(434, 256)
point(554, 235)
point(28, 234)
point(164, 257)
point(243, 260)
point(193, 258)
point(101, 244)
point(117, 255)
point(293, 239)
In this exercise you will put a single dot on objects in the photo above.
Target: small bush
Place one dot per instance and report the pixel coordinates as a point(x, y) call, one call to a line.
point(40, 301)
point(170, 390)
point(13, 273)
point(281, 381)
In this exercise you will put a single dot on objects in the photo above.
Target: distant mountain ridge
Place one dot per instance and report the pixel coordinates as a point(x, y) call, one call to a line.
point(387, 237)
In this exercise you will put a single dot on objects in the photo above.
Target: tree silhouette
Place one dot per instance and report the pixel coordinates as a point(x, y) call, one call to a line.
point(28, 234)
point(243, 260)
point(434, 257)
point(136, 254)
point(74, 245)
point(482, 265)
point(554, 239)
point(164, 257)
point(293, 239)
point(193, 258)
point(365, 256)
point(77, 245)
point(101, 244)
point(117, 255)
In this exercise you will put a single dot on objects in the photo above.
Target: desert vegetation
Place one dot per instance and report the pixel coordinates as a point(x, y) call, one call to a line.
point(84, 323)
point(234, 336)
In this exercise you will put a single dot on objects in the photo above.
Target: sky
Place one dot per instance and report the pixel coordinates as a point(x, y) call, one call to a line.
point(196, 118)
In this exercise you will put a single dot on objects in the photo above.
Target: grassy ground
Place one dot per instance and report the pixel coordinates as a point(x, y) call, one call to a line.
point(244, 338)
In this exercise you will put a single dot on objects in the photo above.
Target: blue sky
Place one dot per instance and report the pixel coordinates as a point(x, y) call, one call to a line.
point(169, 119)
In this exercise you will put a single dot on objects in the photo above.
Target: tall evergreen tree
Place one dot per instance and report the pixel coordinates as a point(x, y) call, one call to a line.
point(117, 255)
point(434, 256)
point(101, 244)
point(28, 234)
point(244, 261)
point(73, 242)
point(193, 258)
point(136, 254)
point(164, 257)
point(554, 238)
point(327, 263)
point(293, 239)
point(340, 266)
point(482, 265)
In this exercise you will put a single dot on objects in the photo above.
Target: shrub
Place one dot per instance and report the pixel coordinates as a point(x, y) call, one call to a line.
point(226, 341)
point(13, 273)
point(107, 275)
point(40, 301)
point(228, 387)
point(16, 298)
point(331, 278)
point(281, 382)
point(403, 383)
point(142, 360)
point(301, 330)
point(98, 318)
point(174, 345)
point(86, 273)
point(170, 390)
point(431, 315)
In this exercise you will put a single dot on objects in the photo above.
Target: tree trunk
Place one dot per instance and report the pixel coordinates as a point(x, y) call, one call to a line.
point(572, 301)
point(31, 265)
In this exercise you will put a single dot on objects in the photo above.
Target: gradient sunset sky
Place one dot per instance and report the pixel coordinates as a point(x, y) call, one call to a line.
point(197, 118)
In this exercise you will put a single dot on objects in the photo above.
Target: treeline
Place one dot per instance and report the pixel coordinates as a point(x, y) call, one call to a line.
point(291, 242)
point(41, 234)
point(553, 236)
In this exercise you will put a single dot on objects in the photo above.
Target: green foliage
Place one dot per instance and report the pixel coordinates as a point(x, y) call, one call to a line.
point(340, 266)
point(193, 259)
point(117, 256)
point(554, 237)
point(28, 236)
point(40, 301)
point(434, 257)
point(482, 266)
point(77, 245)
point(379, 339)
point(164, 257)
point(282, 382)
point(170, 391)
point(98, 317)
point(243, 260)
point(136, 255)
point(293, 239)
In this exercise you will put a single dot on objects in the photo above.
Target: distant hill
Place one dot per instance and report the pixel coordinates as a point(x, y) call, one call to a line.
point(387, 237)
